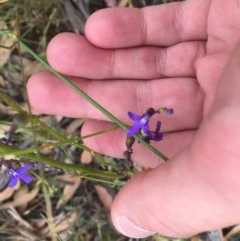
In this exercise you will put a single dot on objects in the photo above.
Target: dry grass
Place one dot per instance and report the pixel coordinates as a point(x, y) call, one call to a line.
point(59, 204)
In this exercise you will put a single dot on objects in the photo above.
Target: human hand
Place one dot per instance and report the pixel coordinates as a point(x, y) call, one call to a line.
point(198, 189)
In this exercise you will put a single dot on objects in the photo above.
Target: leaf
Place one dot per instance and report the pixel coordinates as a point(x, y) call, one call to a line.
point(10, 102)
point(74, 125)
point(73, 182)
point(2, 81)
point(5, 46)
point(86, 157)
point(104, 196)
point(31, 67)
point(233, 233)
point(22, 192)
point(21, 222)
point(8, 192)
point(20, 200)
point(61, 223)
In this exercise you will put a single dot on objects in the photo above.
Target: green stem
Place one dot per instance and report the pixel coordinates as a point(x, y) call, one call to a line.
point(85, 96)
point(84, 171)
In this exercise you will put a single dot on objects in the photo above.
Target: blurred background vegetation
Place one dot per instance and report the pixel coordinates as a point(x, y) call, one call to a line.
point(59, 205)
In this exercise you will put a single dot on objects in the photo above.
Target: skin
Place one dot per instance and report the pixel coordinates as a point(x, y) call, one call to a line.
point(181, 55)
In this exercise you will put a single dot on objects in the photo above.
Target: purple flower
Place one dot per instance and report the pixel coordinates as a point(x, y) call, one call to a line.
point(141, 122)
point(154, 135)
point(19, 174)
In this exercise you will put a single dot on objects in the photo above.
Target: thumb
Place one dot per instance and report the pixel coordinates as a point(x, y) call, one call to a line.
point(197, 190)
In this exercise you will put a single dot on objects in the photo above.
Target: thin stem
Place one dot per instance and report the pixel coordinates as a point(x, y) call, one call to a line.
point(49, 210)
point(92, 101)
point(85, 96)
point(5, 150)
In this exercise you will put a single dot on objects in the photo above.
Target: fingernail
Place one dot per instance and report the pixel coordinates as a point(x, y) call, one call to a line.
point(130, 229)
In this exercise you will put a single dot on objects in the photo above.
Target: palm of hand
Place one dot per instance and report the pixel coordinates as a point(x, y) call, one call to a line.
point(198, 38)
point(223, 23)
point(185, 76)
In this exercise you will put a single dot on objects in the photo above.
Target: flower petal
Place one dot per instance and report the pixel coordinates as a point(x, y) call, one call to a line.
point(169, 111)
point(158, 126)
point(27, 179)
point(13, 181)
point(23, 169)
point(157, 136)
point(146, 130)
point(134, 116)
point(133, 129)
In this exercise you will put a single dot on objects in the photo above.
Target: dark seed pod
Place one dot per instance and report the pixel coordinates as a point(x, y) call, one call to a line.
point(129, 142)
point(151, 111)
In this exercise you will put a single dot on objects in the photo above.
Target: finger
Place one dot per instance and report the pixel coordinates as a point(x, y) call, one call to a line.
point(83, 59)
point(227, 92)
point(113, 143)
point(163, 25)
point(166, 199)
point(190, 186)
point(49, 95)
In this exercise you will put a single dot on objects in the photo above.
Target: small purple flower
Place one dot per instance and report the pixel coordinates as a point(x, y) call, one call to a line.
point(154, 135)
point(141, 122)
point(19, 174)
